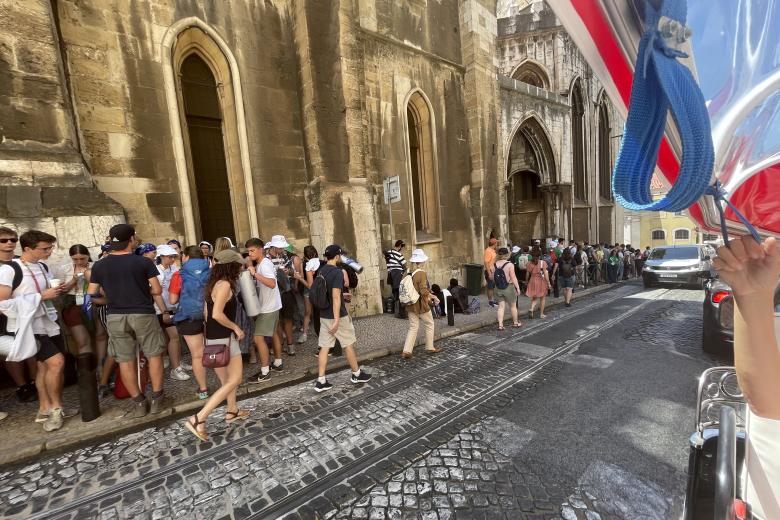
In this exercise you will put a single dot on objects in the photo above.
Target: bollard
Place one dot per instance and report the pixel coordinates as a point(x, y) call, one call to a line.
point(88, 393)
point(450, 312)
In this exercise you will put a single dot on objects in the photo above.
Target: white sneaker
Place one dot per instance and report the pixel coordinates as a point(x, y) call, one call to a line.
point(54, 422)
point(166, 362)
point(302, 338)
point(185, 366)
point(3, 415)
point(179, 374)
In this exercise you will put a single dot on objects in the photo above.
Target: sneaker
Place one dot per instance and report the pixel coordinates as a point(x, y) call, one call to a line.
point(27, 393)
point(321, 387)
point(139, 409)
point(260, 377)
point(290, 349)
point(179, 374)
point(277, 368)
point(362, 377)
point(54, 421)
point(185, 366)
point(156, 405)
point(103, 392)
point(42, 417)
point(203, 394)
point(302, 338)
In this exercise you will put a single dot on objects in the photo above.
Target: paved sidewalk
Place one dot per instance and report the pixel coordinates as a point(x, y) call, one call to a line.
point(378, 336)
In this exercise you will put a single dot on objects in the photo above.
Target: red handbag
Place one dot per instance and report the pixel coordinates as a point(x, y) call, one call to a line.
point(216, 355)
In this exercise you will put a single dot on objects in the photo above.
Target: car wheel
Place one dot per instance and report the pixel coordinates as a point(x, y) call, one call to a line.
point(709, 342)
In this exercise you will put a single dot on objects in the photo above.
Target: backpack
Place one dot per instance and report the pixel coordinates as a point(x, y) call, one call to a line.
point(567, 270)
point(283, 281)
point(578, 257)
point(499, 277)
point(17, 281)
point(351, 274)
point(522, 261)
point(407, 292)
point(318, 292)
point(193, 281)
point(474, 307)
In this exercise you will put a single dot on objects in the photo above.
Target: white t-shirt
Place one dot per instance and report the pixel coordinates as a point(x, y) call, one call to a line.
point(270, 298)
point(33, 273)
point(312, 265)
point(165, 281)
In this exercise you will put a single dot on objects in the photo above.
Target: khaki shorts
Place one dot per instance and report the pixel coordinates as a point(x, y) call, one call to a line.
point(265, 324)
point(345, 334)
point(124, 330)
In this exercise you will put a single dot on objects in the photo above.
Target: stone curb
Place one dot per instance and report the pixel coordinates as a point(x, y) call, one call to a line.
point(71, 441)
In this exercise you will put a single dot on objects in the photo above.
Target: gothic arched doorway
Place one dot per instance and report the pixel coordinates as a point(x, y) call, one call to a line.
point(531, 204)
point(207, 150)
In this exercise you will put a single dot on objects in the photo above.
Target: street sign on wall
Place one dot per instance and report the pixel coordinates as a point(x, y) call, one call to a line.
point(392, 189)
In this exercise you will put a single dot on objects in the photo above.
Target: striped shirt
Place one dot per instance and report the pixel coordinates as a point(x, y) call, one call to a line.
point(395, 261)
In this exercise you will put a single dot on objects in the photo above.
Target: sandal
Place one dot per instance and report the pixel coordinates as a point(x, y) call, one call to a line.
point(543, 316)
point(500, 327)
point(517, 325)
point(238, 415)
point(193, 427)
point(531, 314)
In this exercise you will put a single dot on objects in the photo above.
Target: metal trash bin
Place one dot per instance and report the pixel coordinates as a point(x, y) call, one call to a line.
point(473, 278)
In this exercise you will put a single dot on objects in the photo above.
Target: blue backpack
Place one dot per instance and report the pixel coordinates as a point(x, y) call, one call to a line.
point(499, 277)
point(194, 275)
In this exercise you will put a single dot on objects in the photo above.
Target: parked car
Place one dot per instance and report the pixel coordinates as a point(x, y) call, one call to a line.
point(677, 265)
point(717, 318)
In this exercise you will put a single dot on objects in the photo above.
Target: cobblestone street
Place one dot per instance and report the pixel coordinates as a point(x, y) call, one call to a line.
point(583, 415)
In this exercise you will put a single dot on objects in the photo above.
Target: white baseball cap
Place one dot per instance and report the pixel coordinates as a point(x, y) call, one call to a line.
point(166, 250)
point(515, 249)
point(277, 241)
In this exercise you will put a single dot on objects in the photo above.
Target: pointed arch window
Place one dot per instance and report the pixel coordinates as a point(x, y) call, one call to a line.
point(532, 74)
point(579, 170)
point(422, 169)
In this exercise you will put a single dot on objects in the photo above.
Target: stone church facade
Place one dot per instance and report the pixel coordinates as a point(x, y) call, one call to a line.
point(198, 119)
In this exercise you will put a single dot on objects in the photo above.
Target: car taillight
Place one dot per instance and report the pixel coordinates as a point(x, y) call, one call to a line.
point(718, 296)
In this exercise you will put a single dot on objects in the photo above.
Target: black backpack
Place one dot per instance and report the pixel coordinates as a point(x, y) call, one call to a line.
point(499, 277)
point(18, 277)
point(351, 274)
point(567, 269)
point(318, 292)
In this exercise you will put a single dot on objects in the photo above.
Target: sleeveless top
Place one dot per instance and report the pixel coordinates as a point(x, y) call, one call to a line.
point(214, 329)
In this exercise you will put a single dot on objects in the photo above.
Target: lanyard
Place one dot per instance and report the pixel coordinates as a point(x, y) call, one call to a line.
point(35, 280)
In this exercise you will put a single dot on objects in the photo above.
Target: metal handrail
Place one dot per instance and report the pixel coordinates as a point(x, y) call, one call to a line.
point(726, 465)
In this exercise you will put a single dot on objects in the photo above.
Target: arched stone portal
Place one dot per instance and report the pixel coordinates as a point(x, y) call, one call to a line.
point(531, 175)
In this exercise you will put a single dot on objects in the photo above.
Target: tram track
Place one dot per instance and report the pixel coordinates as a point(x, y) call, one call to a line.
point(84, 504)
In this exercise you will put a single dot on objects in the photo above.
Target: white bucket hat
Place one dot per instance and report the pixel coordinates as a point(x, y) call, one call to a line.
point(515, 249)
point(278, 241)
point(166, 250)
point(418, 256)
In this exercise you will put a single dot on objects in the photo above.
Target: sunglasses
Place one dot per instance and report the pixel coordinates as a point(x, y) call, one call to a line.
point(6, 240)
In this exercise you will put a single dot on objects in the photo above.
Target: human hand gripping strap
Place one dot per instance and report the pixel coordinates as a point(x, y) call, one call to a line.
point(662, 84)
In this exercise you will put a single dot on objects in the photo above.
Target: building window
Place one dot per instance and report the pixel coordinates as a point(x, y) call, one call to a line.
point(578, 144)
point(532, 74)
point(425, 190)
point(682, 234)
point(708, 237)
point(605, 157)
point(658, 234)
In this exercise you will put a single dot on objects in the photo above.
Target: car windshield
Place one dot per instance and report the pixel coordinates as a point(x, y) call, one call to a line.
point(675, 253)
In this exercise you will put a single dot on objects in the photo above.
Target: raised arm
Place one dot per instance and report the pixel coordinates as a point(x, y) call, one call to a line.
point(752, 270)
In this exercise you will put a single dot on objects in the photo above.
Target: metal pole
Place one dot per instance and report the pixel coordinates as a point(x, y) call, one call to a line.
point(450, 305)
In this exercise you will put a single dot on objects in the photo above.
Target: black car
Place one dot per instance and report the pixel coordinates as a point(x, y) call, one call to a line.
point(718, 318)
